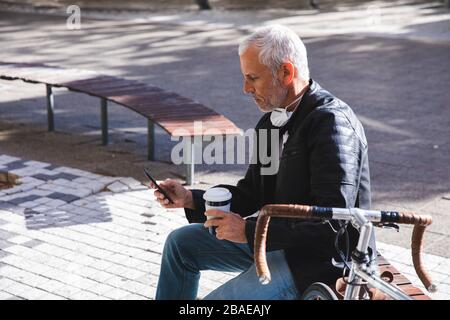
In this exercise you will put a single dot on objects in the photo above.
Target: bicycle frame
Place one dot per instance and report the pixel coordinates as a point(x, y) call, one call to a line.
point(360, 271)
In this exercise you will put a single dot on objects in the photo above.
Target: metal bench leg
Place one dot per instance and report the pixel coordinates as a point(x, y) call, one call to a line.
point(50, 108)
point(104, 116)
point(150, 141)
point(190, 160)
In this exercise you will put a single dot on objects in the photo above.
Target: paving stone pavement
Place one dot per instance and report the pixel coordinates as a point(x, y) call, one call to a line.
point(71, 234)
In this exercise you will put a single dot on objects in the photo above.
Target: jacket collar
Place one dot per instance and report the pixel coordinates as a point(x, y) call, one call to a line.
point(306, 105)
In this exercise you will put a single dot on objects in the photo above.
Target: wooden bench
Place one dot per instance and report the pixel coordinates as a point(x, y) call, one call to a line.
point(400, 280)
point(166, 109)
point(392, 276)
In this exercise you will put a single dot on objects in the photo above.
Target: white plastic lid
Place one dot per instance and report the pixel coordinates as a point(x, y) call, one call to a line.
point(217, 195)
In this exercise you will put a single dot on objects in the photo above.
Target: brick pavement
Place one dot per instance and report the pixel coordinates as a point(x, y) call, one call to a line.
point(66, 233)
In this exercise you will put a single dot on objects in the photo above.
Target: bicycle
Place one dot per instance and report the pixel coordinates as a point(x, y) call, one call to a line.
point(363, 271)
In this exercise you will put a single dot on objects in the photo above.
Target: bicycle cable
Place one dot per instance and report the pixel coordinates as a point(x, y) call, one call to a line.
point(342, 230)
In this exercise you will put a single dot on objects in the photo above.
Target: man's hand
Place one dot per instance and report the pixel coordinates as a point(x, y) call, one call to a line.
point(182, 197)
point(230, 226)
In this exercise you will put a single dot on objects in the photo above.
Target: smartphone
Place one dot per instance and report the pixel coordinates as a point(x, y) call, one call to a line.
point(157, 185)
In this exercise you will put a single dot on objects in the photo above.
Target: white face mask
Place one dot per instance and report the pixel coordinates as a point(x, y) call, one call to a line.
point(280, 116)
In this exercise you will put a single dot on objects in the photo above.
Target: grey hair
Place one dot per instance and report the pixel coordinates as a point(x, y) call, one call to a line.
point(278, 44)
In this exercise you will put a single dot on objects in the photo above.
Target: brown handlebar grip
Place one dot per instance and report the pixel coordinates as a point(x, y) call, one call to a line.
point(262, 270)
point(420, 223)
point(262, 225)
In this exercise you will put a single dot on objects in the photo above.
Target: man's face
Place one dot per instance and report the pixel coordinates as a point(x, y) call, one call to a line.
point(267, 92)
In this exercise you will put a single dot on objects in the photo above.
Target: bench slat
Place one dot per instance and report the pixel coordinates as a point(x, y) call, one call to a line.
point(190, 131)
point(410, 290)
point(135, 90)
point(163, 99)
point(160, 106)
point(108, 85)
point(400, 280)
point(148, 99)
point(421, 297)
point(90, 84)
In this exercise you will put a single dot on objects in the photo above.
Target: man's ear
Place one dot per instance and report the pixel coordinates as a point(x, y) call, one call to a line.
point(288, 73)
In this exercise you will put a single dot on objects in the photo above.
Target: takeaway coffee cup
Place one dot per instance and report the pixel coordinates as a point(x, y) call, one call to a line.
point(217, 198)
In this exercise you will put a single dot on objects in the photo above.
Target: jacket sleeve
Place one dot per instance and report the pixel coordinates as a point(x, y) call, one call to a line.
point(196, 215)
point(334, 160)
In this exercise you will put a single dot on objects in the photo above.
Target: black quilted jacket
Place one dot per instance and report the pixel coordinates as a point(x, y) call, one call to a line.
point(324, 163)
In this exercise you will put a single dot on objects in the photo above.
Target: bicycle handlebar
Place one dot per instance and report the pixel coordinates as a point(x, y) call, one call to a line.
point(420, 223)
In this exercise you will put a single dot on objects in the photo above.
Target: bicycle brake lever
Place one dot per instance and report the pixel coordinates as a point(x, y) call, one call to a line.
point(390, 226)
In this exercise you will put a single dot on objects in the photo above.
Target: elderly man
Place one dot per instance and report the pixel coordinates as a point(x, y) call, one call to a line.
point(323, 162)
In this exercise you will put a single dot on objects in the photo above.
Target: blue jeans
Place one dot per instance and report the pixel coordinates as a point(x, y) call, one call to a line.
point(191, 248)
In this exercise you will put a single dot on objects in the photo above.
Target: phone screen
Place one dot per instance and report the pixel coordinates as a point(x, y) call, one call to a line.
point(157, 185)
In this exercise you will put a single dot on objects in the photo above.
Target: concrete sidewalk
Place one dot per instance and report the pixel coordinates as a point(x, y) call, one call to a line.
point(66, 233)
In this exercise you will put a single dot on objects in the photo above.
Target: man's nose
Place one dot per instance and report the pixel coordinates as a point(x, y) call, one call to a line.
point(248, 88)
